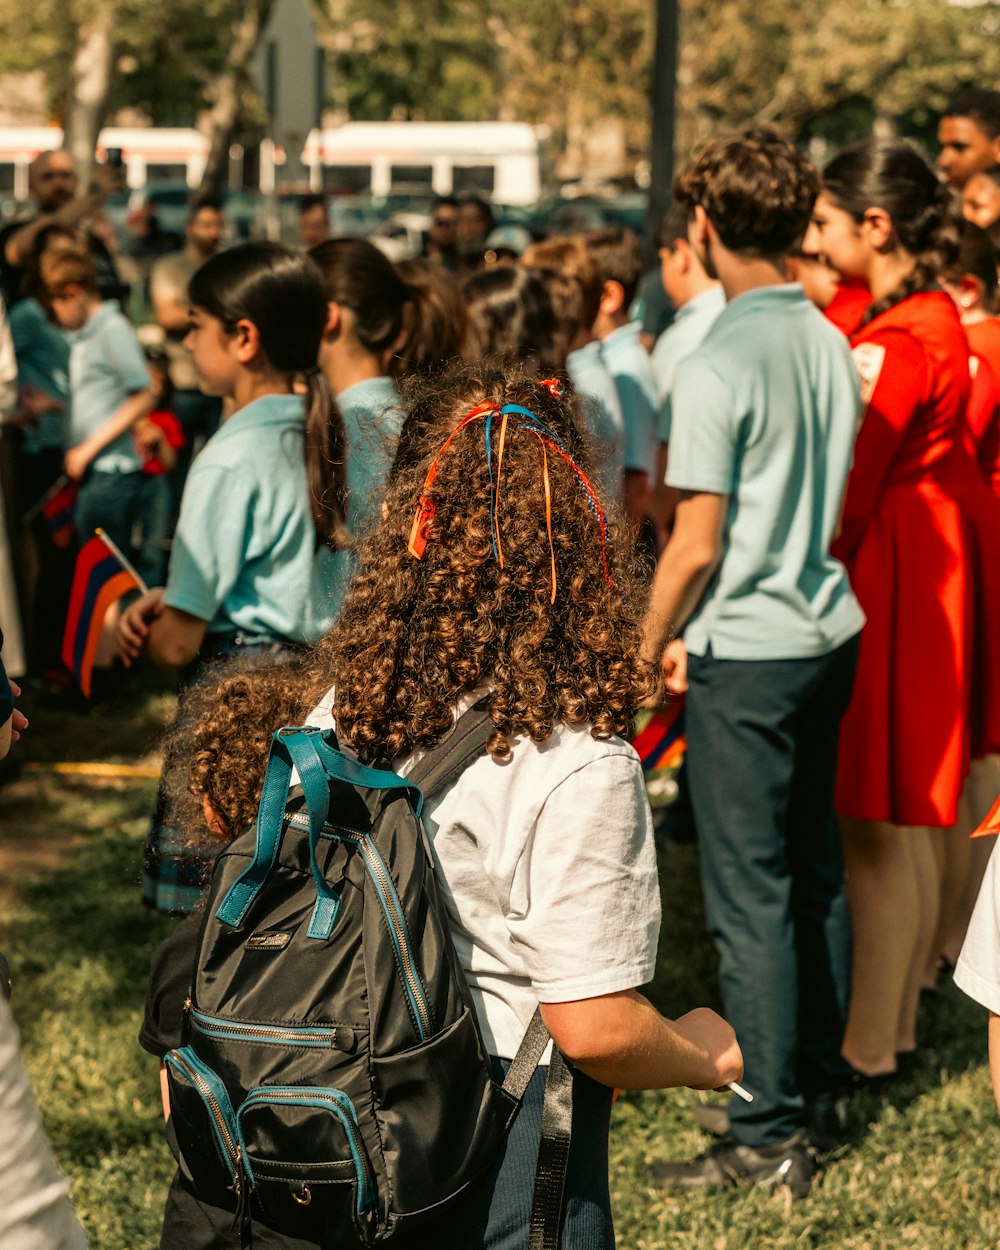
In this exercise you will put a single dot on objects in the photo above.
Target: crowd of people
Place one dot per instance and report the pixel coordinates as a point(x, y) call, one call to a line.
point(366, 496)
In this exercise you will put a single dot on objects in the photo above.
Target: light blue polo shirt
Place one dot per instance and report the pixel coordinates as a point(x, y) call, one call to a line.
point(244, 556)
point(628, 362)
point(765, 412)
point(42, 352)
point(691, 323)
point(372, 421)
point(602, 412)
point(106, 366)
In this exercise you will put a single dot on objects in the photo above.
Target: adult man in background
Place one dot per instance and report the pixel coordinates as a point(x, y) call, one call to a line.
point(969, 135)
point(52, 184)
point(314, 222)
point(198, 414)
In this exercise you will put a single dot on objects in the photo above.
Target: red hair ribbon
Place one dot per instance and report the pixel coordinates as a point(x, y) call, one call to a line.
point(553, 386)
point(426, 506)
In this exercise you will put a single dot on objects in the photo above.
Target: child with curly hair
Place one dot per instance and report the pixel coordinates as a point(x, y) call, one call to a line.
point(494, 575)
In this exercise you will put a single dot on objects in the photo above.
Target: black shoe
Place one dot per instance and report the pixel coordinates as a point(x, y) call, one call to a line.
point(790, 1164)
point(825, 1121)
point(711, 1118)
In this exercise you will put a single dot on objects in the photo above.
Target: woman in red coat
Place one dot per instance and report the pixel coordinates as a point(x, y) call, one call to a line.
point(884, 217)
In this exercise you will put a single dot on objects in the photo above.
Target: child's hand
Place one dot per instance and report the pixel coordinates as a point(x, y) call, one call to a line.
point(147, 435)
point(675, 667)
point(76, 462)
point(133, 625)
point(19, 722)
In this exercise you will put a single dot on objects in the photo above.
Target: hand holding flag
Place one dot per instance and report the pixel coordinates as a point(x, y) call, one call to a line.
point(101, 577)
point(56, 509)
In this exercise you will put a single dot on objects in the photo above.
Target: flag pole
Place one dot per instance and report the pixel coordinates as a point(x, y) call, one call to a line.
point(54, 489)
point(126, 564)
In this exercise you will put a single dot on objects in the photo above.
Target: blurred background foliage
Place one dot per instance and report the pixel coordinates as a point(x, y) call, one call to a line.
point(831, 69)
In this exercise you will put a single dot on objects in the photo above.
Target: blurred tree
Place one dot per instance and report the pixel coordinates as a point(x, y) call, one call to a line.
point(570, 65)
point(171, 61)
point(835, 69)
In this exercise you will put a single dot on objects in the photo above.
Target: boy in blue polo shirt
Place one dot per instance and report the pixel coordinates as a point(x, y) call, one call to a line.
point(616, 255)
point(754, 620)
point(109, 392)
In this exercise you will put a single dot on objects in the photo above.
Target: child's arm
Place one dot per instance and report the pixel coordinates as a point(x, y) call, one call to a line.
point(994, 1035)
point(621, 1040)
point(78, 458)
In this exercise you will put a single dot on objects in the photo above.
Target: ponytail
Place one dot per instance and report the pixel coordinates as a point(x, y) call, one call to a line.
point(326, 462)
point(434, 320)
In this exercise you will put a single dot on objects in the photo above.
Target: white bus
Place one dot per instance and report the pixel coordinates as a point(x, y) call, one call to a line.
point(153, 153)
point(495, 159)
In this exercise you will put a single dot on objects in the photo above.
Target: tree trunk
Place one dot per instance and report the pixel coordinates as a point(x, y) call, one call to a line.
point(663, 118)
point(89, 85)
point(221, 118)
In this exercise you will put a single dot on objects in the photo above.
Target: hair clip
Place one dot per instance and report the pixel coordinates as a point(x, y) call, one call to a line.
point(553, 386)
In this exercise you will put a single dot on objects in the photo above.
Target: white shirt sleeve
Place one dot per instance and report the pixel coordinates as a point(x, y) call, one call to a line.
point(978, 969)
point(584, 903)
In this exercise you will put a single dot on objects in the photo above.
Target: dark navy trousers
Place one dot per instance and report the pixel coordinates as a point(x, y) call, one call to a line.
point(762, 758)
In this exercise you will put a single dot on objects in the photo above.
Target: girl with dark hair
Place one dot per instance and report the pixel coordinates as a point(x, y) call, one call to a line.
point(884, 217)
point(493, 575)
point(263, 511)
point(511, 318)
point(366, 303)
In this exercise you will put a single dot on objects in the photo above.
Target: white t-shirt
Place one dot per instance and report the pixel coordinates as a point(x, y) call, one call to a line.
point(548, 869)
point(978, 969)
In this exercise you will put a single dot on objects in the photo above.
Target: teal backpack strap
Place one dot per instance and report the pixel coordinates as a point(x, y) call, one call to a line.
point(270, 824)
point(318, 763)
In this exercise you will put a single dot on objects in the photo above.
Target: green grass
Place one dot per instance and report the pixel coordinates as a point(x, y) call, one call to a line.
point(918, 1172)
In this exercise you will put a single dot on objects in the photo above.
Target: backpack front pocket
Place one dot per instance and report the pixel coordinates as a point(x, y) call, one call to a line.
point(200, 1107)
point(279, 1126)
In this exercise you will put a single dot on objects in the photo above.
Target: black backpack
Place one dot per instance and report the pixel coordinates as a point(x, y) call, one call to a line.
point(333, 1083)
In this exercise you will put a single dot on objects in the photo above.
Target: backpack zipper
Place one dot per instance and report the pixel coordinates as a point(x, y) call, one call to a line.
point(204, 1081)
point(393, 910)
point(274, 1034)
point(325, 1099)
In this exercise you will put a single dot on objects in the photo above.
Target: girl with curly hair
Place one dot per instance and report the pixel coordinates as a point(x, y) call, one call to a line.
point(496, 575)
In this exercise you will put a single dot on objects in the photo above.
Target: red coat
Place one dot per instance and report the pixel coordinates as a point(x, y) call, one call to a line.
point(904, 744)
point(984, 402)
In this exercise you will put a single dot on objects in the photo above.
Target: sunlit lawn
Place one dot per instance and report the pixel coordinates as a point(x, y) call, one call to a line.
point(919, 1170)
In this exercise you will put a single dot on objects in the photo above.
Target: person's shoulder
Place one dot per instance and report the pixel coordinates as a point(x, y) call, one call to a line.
point(28, 312)
point(569, 750)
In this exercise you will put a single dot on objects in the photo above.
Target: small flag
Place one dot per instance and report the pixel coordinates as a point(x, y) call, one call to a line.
point(102, 575)
point(991, 824)
point(660, 741)
point(57, 511)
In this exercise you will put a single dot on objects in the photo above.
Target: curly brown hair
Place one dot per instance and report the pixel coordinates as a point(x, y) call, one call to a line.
point(417, 634)
point(756, 188)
